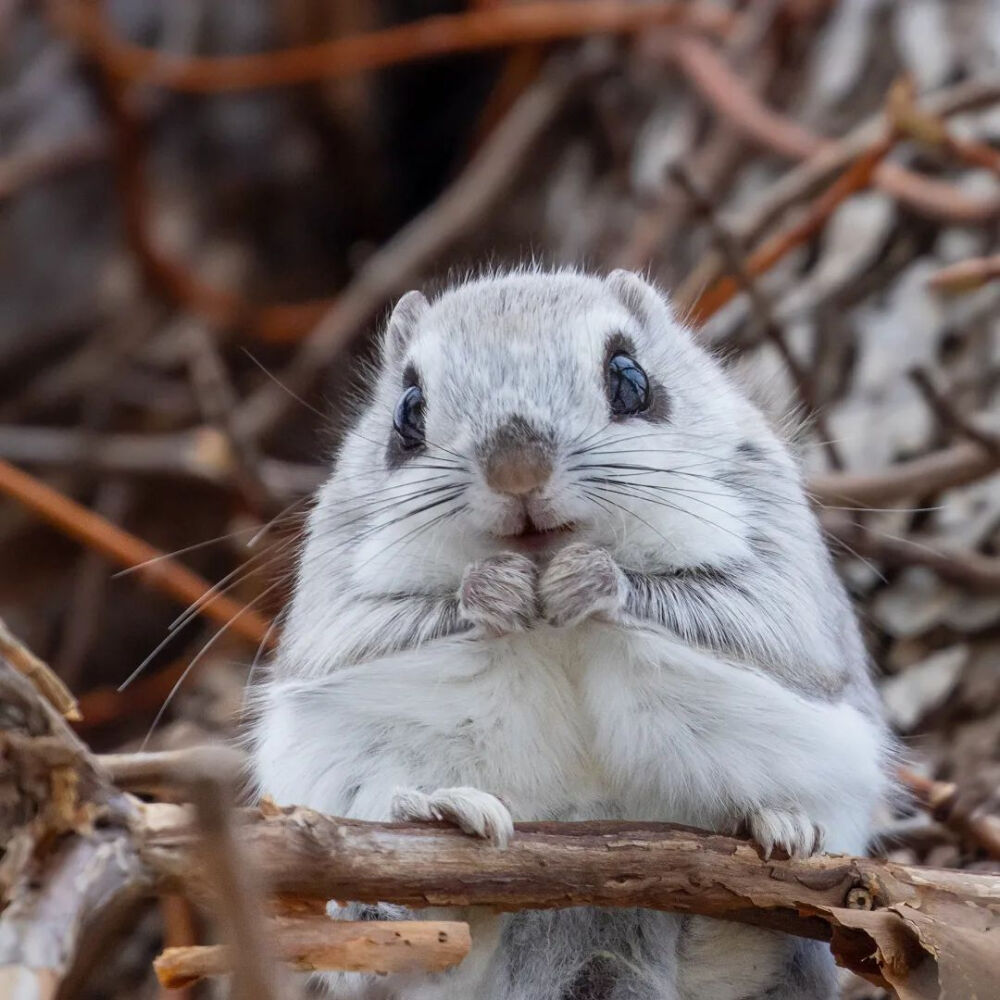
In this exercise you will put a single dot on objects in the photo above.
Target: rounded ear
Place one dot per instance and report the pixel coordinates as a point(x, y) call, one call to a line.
point(402, 323)
point(639, 297)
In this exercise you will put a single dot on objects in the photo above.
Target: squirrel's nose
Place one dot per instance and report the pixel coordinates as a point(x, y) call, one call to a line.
point(519, 472)
point(517, 458)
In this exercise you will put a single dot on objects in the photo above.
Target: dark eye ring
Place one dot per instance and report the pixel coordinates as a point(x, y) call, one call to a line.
point(408, 418)
point(628, 385)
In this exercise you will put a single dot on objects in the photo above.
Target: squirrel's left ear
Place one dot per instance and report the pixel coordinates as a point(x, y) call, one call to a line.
point(639, 297)
point(402, 323)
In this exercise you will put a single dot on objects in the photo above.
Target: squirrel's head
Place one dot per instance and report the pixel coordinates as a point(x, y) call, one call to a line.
point(524, 411)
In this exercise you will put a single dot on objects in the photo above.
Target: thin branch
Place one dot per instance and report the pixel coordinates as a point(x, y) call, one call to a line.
point(236, 888)
point(169, 771)
point(124, 549)
point(39, 673)
point(948, 416)
point(924, 476)
point(966, 275)
point(394, 266)
point(970, 570)
point(931, 197)
point(731, 97)
point(805, 385)
point(943, 800)
point(865, 907)
point(856, 177)
point(441, 35)
point(202, 454)
point(318, 944)
point(22, 168)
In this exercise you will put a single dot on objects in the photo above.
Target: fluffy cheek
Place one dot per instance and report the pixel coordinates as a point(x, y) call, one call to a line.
point(414, 557)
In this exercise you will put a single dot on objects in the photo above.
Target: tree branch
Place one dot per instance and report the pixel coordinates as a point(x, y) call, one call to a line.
point(882, 919)
point(316, 944)
point(924, 476)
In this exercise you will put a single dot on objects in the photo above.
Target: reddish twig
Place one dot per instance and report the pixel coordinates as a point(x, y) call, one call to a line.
point(441, 35)
point(855, 178)
point(178, 932)
point(718, 84)
point(391, 269)
point(162, 573)
point(218, 306)
point(932, 198)
point(804, 383)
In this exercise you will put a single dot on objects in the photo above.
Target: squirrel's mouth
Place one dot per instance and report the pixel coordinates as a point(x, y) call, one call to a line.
point(532, 538)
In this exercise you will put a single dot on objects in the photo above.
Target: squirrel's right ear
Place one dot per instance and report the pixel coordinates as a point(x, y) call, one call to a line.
point(402, 323)
point(641, 299)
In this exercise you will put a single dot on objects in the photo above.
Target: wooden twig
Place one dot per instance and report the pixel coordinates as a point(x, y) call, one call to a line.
point(161, 573)
point(948, 415)
point(170, 771)
point(803, 380)
point(882, 919)
point(39, 673)
point(318, 944)
point(924, 476)
point(964, 568)
point(932, 130)
point(728, 94)
point(202, 454)
point(943, 801)
point(966, 275)
point(937, 200)
point(22, 168)
point(471, 31)
point(399, 262)
point(855, 178)
point(179, 934)
point(236, 889)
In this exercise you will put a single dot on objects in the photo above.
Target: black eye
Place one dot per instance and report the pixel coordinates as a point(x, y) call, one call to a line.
point(628, 386)
point(408, 420)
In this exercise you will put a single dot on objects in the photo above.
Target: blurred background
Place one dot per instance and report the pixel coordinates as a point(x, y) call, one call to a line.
point(206, 210)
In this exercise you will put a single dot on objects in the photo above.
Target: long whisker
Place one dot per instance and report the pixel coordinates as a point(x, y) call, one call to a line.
point(257, 533)
point(197, 658)
point(643, 492)
point(411, 536)
point(281, 385)
point(603, 491)
point(232, 579)
point(666, 503)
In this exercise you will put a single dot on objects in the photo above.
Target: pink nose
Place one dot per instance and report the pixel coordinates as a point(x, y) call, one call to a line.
point(518, 471)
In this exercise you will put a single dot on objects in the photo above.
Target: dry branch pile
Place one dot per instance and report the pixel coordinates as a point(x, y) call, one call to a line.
point(193, 196)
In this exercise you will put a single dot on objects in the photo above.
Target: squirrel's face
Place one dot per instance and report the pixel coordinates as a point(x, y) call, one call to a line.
point(527, 411)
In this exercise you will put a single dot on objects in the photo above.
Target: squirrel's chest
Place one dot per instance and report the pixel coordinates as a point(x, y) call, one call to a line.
point(535, 737)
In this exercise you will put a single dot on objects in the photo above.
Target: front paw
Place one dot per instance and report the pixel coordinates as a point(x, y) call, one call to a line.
point(498, 593)
point(580, 582)
point(476, 812)
point(789, 829)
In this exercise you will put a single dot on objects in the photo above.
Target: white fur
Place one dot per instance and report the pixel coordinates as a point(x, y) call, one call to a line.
point(734, 693)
